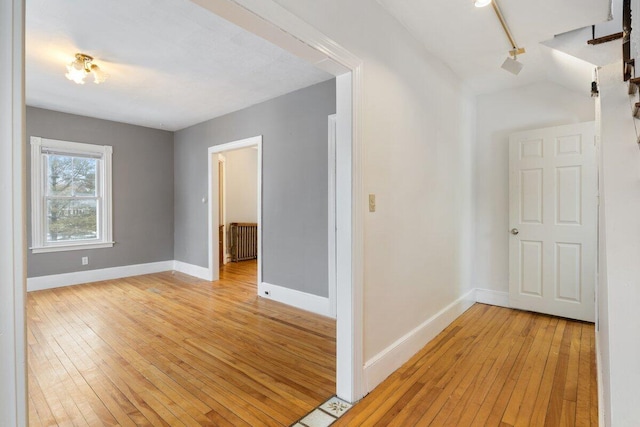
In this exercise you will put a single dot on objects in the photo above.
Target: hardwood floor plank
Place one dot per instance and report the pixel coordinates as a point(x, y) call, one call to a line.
point(554, 409)
point(386, 396)
point(38, 403)
point(568, 417)
point(88, 364)
point(479, 360)
point(138, 387)
point(516, 401)
point(583, 414)
point(491, 367)
point(571, 387)
point(465, 415)
point(92, 408)
point(493, 393)
point(226, 368)
point(441, 363)
point(498, 409)
point(544, 359)
point(55, 387)
point(539, 413)
point(169, 349)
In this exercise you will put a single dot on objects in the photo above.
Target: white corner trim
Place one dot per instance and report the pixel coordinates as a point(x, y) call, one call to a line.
point(192, 270)
point(393, 357)
point(88, 276)
point(491, 297)
point(298, 299)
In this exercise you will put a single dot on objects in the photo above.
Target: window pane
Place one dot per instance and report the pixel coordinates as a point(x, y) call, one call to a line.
point(60, 171)
point(71, 176)
point(84, 179)
point(71, 220)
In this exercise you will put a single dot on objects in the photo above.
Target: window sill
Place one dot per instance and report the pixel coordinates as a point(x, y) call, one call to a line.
point(71, 247)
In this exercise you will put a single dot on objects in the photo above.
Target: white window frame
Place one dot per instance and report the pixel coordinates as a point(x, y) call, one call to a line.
point(39, 243)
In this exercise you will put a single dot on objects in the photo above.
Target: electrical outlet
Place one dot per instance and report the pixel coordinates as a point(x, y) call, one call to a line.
point(85, 260)
point(372, 202)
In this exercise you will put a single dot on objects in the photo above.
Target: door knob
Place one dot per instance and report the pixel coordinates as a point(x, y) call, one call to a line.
point(514, 231)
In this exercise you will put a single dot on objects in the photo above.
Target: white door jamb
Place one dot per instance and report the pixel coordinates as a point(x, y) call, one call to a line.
point(332, 214)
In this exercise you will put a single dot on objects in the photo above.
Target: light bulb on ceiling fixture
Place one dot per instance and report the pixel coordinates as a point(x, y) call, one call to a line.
point(482, 3)
point(99, 76)
point(76, 71)
point(79, 69)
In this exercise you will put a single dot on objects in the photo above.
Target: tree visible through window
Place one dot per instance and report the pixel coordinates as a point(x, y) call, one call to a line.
point(71, 198)
point(71, 195)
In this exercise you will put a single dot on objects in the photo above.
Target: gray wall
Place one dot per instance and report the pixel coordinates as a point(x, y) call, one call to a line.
point(142, 191)
point(294, 184)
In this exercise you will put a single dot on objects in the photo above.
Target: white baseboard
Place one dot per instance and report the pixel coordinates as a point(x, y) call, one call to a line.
point(301, 300)
point(393, 357)
point(88, 276)
point(488, 296)
point(192, 270)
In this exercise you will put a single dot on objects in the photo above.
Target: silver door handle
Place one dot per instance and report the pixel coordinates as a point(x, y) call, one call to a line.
point(514, 231)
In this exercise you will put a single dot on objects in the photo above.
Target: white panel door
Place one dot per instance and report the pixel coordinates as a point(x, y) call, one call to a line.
point(552, 221)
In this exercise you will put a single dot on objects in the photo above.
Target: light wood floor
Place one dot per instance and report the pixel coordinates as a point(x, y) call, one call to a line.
point(167, 349)
point(492, 367)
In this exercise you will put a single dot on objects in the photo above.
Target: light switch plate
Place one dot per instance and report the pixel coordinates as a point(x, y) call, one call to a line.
point(372, 202)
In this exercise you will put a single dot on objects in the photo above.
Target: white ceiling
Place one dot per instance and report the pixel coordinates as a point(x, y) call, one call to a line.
point(471, 41)
point(171, 63)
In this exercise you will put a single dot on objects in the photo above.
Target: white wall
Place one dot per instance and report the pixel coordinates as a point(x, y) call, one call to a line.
point(417, 124)
point(500, 114)
point(241, 186)
point(619, 277)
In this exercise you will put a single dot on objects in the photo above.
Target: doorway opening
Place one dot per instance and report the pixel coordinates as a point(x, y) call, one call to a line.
point(270, 21)
point(219, 220)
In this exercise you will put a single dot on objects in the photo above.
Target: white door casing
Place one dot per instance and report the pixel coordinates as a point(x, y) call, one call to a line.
point(222, 202)
point(331, 144)
point(553, 220)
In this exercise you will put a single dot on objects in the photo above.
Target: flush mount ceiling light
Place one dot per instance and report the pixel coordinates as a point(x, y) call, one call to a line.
point(83, 65)
point(511, 64)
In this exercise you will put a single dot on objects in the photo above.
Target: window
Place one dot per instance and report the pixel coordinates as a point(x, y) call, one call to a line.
point(70, 195)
